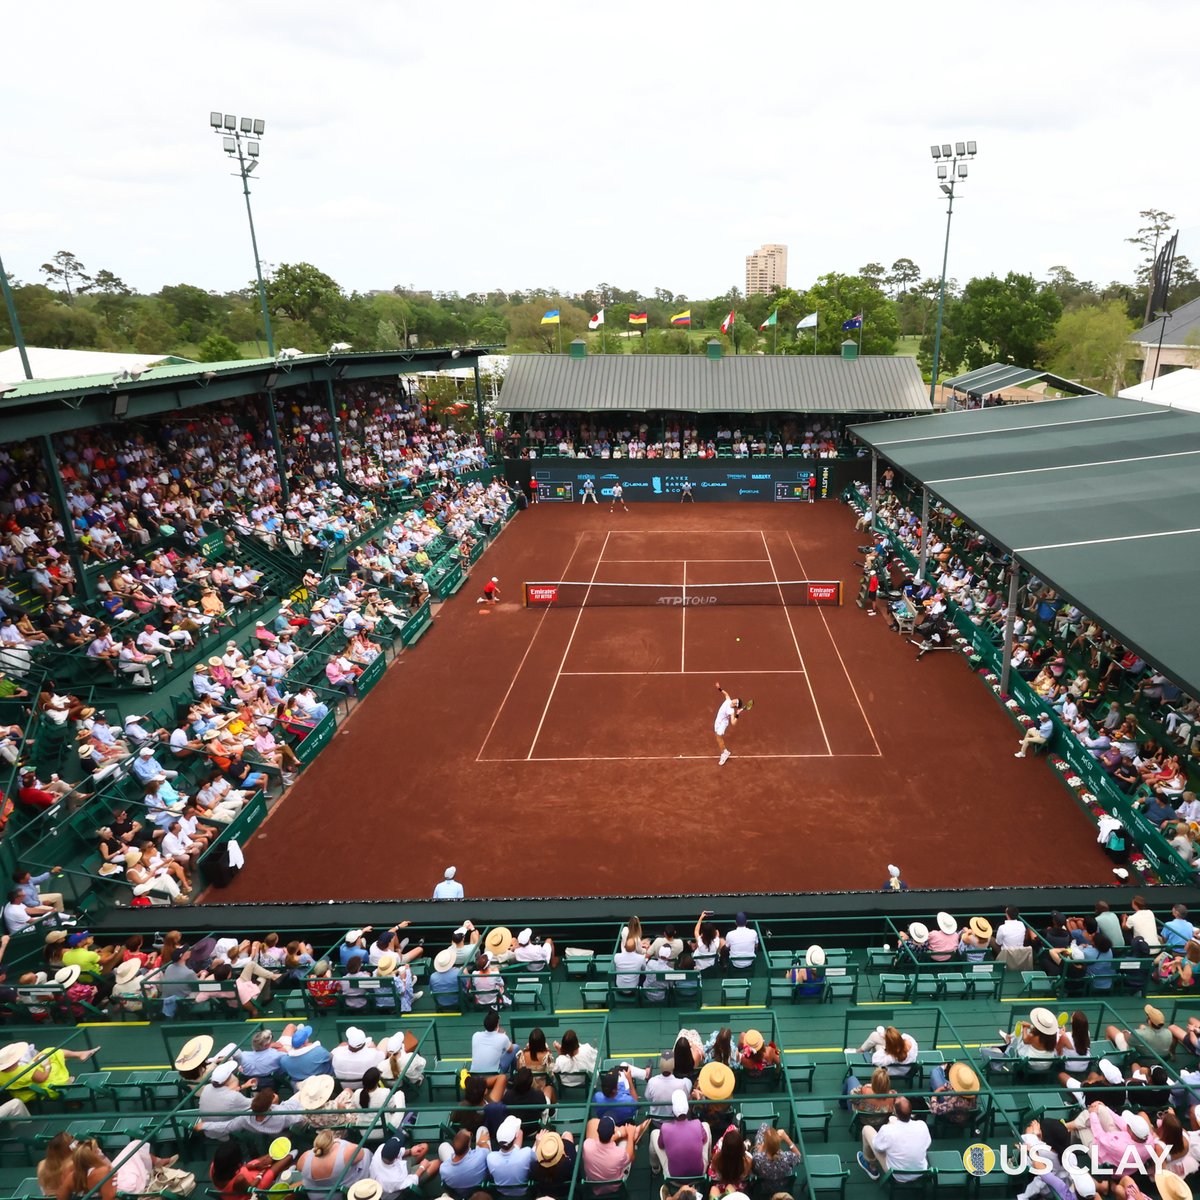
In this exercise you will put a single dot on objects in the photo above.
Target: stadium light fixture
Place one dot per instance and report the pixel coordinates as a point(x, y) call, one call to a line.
point(937, 150)
point(949, 173)
point(232, 131)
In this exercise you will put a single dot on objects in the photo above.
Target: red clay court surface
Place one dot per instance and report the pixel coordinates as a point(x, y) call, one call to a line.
point(570, 751)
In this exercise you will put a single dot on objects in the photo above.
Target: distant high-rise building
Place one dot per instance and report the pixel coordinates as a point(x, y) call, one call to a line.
point(766, 268)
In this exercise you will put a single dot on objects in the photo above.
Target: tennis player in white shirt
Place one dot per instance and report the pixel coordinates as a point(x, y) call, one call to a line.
point(727, 716)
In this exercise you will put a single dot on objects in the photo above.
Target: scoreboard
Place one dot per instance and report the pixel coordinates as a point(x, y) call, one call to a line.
point(550, 490)
point(793, 489)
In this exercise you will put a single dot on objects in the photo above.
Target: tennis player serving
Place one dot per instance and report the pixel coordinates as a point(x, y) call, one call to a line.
point(727, 715)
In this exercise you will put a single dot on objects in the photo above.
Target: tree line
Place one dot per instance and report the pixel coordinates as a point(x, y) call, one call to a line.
point(1073, 326)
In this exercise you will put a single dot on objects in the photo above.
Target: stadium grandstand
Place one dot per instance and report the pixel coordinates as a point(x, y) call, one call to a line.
point(298, 904)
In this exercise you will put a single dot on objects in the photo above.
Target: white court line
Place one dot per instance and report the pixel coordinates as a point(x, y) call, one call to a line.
point(796, 643)
point(794, 671)
point(683, 626)
point(520, 666)
point(686, 560)
point(670, 757)
point(574, 630)
point(1104, 462)
point(837, 651)
point(1129, 537)
point(938, 437)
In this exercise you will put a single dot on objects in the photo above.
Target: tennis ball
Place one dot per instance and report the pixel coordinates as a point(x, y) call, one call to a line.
point(737, 639)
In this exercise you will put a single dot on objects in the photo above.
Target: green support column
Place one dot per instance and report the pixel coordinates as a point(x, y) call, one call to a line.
point(479, 407)
point(337, 442)
point(50, 462)
point(280, 461)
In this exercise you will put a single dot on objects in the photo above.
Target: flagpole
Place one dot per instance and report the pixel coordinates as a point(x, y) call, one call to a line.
point(775, 336)
point(816, 323)
point(860, 325)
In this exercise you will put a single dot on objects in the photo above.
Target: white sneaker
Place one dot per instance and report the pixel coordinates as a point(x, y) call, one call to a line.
point(724, 758)
point(1019, 754)
point(417, 996)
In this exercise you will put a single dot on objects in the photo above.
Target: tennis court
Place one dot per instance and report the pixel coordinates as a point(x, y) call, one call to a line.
point(570, 751)
point(639, 659)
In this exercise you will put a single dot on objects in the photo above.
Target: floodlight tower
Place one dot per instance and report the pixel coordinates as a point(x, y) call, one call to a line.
point(951, 167)
point(232, 131)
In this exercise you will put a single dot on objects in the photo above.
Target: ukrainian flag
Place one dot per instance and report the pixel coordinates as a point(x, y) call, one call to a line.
point(683, 318)
point(551, 318)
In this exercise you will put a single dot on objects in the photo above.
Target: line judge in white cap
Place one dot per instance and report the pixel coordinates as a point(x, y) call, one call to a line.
point(449, 888)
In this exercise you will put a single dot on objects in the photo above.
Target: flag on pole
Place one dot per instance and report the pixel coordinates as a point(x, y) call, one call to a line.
point(853, 323)
point(637, 318)
point(727, 324)
point(551, 318)
point(771, 320)
point(597, 320)
point(809, 322)
point(683, 318)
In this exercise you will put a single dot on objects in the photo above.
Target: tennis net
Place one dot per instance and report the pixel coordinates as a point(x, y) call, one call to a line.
point(571, 594)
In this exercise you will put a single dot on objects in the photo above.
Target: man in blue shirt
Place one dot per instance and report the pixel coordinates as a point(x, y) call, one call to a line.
point(510, 1163)
point(1179, 930)
point(464, 1167)
point(1037, 737)
point(492, 1052)
point(616, 1097)
point(306, 1057)
point(27, 885)
point(146, 767)
point(443, 980)
point(262, 1061)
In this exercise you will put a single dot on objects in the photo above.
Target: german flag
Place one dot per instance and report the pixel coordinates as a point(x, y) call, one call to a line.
point(637, 318)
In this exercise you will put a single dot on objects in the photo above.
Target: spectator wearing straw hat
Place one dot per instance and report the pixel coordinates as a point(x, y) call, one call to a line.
point(448, 888)
point(1153, 1032)
point(353, 1057)
point(398, 976)
point(1035, 1040)
point(755, 1053)
point(554, 1157)
point(808, 976)
point(944, 940)
point(715, 1083)
point(976, 939)
point(443, 979)
point(510, 1163)
point(500, 944)
point(953, 1094)
point(465, 1166)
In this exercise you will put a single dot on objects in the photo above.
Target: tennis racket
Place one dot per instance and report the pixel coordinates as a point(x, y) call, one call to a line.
point(749, 704)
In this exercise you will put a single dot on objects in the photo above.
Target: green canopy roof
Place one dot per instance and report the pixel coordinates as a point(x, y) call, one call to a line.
point(998, 376)
point(1100, 497)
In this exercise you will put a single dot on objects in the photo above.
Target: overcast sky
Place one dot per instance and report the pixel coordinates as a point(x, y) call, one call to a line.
point(474, 146)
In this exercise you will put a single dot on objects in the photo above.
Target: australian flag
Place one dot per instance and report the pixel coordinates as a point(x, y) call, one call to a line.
point(853, 323)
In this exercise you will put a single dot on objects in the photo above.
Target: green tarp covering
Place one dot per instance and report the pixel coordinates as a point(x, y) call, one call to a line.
point(1100, 497)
